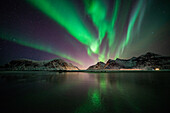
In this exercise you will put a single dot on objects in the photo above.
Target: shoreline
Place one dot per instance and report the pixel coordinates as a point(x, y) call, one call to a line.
point(85, 71)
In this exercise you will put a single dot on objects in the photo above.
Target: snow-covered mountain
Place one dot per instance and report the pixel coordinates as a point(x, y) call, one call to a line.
point(26, 64)
point(99, 65)
point(148, 61)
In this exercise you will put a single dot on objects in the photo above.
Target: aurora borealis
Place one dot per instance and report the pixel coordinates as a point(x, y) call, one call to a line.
point(83, 31)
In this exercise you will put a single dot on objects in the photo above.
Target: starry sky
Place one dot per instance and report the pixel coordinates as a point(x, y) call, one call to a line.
point(83, 32)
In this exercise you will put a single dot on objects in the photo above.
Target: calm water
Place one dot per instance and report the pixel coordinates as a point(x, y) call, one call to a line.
point(73, 92)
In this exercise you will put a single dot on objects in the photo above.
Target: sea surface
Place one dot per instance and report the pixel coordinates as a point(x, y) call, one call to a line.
point(80, 92)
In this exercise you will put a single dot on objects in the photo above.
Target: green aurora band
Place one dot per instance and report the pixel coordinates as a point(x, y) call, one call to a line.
point(98, 14)
point(131, 25)
point(98, 11)
point(38, 46)
point(60, 11)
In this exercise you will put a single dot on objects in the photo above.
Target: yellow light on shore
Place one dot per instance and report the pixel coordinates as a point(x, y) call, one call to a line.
point(157, 69)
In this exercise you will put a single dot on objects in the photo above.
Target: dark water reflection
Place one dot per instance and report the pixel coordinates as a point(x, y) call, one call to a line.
point(50, 92)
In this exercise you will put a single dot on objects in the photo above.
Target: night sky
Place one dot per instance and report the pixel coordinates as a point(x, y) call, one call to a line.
point(83, 31)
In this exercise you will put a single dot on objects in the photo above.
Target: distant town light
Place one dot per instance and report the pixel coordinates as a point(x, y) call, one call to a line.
point(157, 69)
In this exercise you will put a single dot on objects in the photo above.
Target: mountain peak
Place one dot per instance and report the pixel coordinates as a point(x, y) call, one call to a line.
point(148, 61)
point(152, 54)
point(27, 64)
point(99, 65)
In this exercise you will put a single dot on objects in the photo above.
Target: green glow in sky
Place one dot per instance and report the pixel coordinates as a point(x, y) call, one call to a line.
point(111, 32)
point(97, 10)
point(132, 21)
point(64, 13)
point(38, 46)
point(102, 55)
point(60, 11)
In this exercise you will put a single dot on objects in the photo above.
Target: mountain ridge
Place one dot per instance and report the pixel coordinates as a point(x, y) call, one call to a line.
point(148, 61)
point(28, 64)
